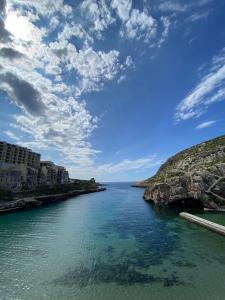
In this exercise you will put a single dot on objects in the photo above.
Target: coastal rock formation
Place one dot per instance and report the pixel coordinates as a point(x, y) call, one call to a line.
point(193, 177)
point(45, 195)
point(36, 201)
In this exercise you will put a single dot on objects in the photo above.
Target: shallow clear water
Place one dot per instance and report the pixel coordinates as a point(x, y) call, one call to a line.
point(108, 245)
point(218, 217)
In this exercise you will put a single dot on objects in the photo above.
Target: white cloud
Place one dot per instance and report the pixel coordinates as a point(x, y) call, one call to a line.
point(11, 135)
point(197, 16)
point(166, 25)
point(121, 78)
point(24, 29)
point(54, 22)
point(129, 62)
point(173, 6)
point(127, 165)
point(95, 68)
point(209, 90)
point(32, 74)
point(123, 8)
point(106, 170)
point(205, 124)
point(133, 23)
point(139, 26)
point(43, 7)
point(47, 77)
point(98, 13)
point(51, 116)
point(74, 30)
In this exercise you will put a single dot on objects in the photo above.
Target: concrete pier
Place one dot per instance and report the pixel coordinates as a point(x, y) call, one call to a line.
point(205, 223)
point(214, 210)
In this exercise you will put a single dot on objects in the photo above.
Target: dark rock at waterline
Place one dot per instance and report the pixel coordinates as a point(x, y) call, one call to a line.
point(37, 201)
point(193, 177)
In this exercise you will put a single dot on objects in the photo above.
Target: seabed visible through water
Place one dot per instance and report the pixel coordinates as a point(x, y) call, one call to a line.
point(109, 245)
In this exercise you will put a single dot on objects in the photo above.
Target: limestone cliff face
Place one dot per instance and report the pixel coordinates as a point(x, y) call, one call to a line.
point(194, 176)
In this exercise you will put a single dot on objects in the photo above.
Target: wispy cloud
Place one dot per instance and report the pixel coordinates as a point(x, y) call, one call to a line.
point(122, 167)
point(209, 90)
point(11, 135)
point(127, 165)
point(206, 124)
point(197, 16)
point(175, 6)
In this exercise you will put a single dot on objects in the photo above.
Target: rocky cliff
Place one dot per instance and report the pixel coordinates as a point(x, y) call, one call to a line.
point(194, 177)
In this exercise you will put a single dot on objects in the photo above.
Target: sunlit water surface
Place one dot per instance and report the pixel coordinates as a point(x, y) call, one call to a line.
point(109, 245)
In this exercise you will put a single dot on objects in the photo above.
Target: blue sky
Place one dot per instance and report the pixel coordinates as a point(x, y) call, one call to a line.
point(111, 89)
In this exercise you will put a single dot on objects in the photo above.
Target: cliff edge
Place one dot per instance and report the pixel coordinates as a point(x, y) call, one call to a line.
point(195, 177)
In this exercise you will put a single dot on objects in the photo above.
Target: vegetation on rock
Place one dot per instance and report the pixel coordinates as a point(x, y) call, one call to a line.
point(193, 176)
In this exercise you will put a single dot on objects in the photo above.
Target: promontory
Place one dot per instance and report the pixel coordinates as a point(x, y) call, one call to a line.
point(193, 177)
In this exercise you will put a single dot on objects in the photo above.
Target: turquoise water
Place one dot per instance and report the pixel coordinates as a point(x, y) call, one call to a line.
point(108, 245)
point(218, 217)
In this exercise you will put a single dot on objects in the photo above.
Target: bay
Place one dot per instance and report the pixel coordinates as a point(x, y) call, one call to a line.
point(109, 245)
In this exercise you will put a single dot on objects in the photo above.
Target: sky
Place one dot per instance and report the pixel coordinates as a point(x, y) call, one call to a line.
point(111, 88)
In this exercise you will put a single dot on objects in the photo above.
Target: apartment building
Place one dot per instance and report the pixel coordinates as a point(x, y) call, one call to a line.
point(62, 175)
point(51, 174)
point(20, 167)
point(11, 178)
point(14, 154)
point(15, 176)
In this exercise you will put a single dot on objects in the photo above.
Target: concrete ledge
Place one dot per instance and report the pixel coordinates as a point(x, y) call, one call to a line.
point(214, 209)
point(205, 223)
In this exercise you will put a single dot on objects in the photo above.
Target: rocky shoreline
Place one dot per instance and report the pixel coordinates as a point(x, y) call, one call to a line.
point(38, 201)
point(137, 186)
